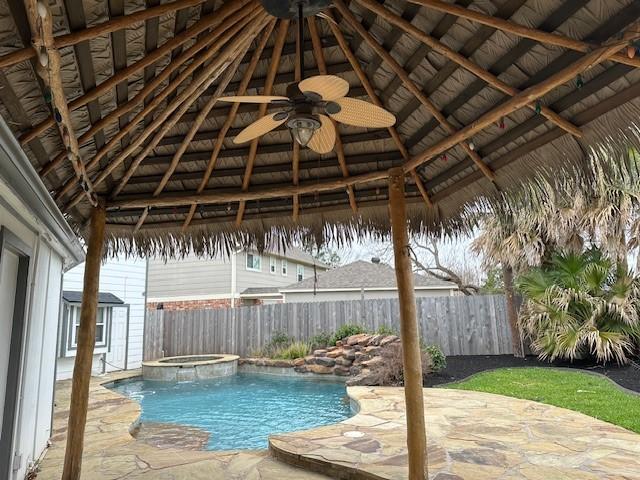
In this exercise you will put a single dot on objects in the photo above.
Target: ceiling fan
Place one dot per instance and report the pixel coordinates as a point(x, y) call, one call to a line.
point(310, 105)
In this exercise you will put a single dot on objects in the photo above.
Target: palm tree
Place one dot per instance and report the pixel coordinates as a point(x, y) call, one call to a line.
point(581, 305)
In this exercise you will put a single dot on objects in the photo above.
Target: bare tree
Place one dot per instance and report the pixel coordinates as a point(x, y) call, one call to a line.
point(427, 259)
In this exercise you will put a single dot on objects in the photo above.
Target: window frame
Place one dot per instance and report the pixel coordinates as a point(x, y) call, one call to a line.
point(299, 272)
point(253, 268)
point(273, 265)
point(104, 314)
point(284, 267)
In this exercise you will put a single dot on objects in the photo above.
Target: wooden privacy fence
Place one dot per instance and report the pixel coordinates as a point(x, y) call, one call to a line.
point(475, 325)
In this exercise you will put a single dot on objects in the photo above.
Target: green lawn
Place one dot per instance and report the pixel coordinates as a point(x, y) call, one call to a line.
point(590, 394)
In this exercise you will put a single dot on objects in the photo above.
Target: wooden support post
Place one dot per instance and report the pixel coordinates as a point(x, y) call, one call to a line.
point(409, 334)
point(84, 353)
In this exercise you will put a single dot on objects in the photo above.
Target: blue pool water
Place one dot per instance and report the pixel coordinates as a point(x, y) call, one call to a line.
point(241, 411)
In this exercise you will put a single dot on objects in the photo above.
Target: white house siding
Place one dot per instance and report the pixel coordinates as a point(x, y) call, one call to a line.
point(188, 279)
point(126, 279)
point(36, 375)
point(333, 296)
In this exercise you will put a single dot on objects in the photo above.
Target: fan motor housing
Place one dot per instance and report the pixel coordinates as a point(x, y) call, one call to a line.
point(289, 8)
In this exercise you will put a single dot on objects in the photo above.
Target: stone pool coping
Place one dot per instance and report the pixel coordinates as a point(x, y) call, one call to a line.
point(206, 360)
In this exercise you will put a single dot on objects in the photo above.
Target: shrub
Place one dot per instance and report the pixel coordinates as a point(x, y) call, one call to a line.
point(346, 331)
point(321, 340)
point(279, 341)
point(293, 351)
point(581, 305)
point(438, 358)
point(391, 371)
point(386, 330)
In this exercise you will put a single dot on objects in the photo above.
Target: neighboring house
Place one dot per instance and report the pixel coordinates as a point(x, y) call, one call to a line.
point(120, 322)
point(36, 246)
point(244, 278)
point(361, 280)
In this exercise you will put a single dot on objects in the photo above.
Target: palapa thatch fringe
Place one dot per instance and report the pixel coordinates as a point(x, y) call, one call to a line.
point(611, 136)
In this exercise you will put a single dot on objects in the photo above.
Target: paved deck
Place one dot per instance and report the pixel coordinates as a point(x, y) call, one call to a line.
point(111, 452)
point(471, 435)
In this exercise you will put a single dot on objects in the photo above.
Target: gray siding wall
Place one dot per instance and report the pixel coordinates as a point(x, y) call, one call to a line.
point(264, 278)
point(189, 277)
point(194, 277)
point(304, 297)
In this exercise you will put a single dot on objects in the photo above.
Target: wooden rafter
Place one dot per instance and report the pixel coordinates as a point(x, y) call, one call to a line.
point(410, 85)
point(322, 68)
point(465, 63)
point(368, 86)
point(222, 133)
point(555, 39)
point(594, 58)
point(202, 115)
point(70, 39)
point(553, 21)
point(216, 34)
point(281, 36)
point(41, 24)
point(523, 98)
point(194, 90)
point(283, 190)
point(147, 60)
point(184, 100)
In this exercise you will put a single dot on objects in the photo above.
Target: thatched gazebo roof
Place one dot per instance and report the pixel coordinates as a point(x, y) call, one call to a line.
point(141, 79)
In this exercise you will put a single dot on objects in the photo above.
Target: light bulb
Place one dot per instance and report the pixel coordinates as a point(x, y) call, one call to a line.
point(302, 135)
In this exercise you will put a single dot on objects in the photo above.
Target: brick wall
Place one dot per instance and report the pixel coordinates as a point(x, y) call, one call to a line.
point(191, 304)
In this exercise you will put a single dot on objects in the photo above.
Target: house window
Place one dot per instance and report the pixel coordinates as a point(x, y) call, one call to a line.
point(285, 266)
point(272, 265)
point(102, 319)
point(253, 262)
point(300, 272)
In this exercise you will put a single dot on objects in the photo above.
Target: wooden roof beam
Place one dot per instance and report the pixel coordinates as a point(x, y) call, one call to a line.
point(465, 63)
point(339, 148)
point(103, 28)
point(553, 21)
point(368, 86)
point(586, 62)
point(185, 99)
point(222, 133)
point(184, 75)
point(228, 196)
point(41, 24)
point(147, 60)
point(410, 85)
point(245, 31)
point(195, 126)
point(555, 39)
point(280, 38)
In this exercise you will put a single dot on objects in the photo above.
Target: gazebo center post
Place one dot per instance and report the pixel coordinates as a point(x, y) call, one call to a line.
point(86, 340)
point(410, 336)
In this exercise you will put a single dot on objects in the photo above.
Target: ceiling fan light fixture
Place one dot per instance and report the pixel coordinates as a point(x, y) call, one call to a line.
point(303, 127)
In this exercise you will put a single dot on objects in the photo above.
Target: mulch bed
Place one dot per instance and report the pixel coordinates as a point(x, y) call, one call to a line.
point(460, 367)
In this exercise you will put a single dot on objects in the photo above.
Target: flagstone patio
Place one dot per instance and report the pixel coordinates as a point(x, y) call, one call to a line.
point(471, 436)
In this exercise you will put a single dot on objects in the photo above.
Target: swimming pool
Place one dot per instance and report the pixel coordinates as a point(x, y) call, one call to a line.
point(240, 411)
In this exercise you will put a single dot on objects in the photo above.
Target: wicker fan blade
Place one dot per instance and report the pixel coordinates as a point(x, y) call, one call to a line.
point(329, 87)
point(252, 99)
point(324, 138)
point(260, 127)
point(362, 114)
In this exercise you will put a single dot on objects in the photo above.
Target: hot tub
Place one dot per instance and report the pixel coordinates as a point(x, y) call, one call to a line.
point(190, 367)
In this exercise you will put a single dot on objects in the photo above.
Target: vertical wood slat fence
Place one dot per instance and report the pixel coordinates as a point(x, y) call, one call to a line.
point(475, 325)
